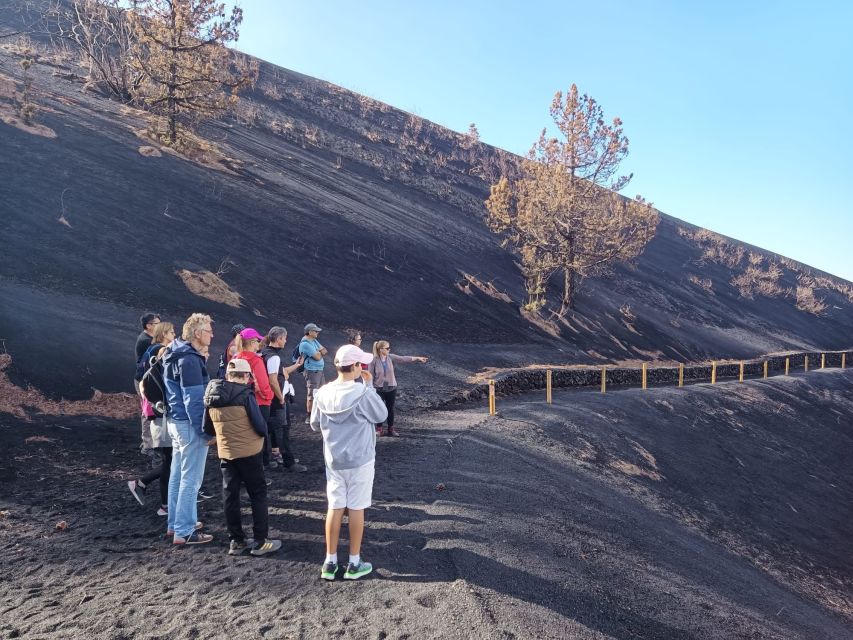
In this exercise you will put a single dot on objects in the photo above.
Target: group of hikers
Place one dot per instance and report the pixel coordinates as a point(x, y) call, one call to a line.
point(246, 412)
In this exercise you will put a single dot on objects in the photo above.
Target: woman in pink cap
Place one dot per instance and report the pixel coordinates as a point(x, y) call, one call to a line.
point(248, 343)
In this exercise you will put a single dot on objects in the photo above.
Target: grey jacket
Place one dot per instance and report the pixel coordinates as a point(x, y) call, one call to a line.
point(347, 414)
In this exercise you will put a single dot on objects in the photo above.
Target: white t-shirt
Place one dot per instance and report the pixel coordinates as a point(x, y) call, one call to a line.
point(272, 368)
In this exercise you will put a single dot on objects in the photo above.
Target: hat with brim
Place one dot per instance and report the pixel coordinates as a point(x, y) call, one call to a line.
point(238, 365)
point(351, 354)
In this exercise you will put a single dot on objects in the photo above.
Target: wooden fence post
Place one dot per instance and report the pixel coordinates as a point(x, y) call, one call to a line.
point(787, 365)
point(806, 363)
point(843, 360)
point(492, 408)
point(741, 371)
point(680, 374)
point(713, 372)
point(645, 377)
point(765, 368)
point(823, 361)
point(603, 379)
point(548, 386)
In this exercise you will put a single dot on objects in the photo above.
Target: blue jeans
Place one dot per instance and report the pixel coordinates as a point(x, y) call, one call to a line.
point(189, 454)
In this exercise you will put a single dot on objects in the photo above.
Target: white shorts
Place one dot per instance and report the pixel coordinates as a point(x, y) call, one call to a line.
point(350, 488)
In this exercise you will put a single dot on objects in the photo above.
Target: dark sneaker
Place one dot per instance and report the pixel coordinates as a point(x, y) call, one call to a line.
point(203, 496)
point(273, 464)
point(296, 468)
point(265, 547)
point(137, 490)
point(194, 538)
point(268, 481)
point(329, 570)
point(237, 547)
point(392, 433)
point(163, 510)
point(354, 572)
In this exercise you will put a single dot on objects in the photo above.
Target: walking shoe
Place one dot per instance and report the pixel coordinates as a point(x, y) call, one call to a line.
point(273, 464)
point(307, 419)
point(268, 482)
point(194, 538)
point(265, 547)
point(237, 547)
point(163, 510)
point(198, 525)
point(329, 570)
point(296, 468)
point(137, 490)
point(392, 433)
point(354, 572)
point(203, 496)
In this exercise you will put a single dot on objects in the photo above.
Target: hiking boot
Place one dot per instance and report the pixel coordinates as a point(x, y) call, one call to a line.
point(354, 572)
point(296, 468)
point(163, 510)
point(137, 490)
point(237, 547)
point(329, 571)
point(194, 538)
point(265, 547)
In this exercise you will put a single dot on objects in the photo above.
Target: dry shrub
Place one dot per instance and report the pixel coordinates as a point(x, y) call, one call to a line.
point(22, 402)
point(755, 259)
point(270, 90)
point(704, 283)
point(207, 284)
point(808, 302)
point(716, 248)
point(485, 287)
point(754, 280)
point(626, 312)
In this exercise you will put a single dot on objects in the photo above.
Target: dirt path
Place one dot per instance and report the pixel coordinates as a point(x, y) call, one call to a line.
point(592, 518)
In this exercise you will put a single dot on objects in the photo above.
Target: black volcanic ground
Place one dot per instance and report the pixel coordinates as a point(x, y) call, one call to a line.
point(707, 512)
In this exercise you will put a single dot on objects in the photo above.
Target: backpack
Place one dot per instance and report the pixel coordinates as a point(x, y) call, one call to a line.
point(294, 357)
point(153, 386)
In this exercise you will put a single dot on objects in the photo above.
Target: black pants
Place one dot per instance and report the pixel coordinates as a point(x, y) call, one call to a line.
point(162, 472)
point(250, 472)
point(279, 428)
point(267, 451)
point(388, 398)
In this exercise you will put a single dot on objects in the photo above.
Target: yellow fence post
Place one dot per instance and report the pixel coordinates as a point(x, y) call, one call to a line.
point(645, 375)
point(806, 363)
point(548, 386)
point(765, 368)
point(713, 372)
point(823, 361)
point(787, 365)
point(843, 360)
point(680, 374)
point(492, 408)
point(741, 371)
point(603, 379)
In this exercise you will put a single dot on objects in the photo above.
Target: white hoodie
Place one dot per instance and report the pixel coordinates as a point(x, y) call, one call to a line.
point(347, 414)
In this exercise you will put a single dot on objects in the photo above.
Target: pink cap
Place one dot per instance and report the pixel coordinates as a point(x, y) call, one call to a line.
point(249, 334)
point(350, 354)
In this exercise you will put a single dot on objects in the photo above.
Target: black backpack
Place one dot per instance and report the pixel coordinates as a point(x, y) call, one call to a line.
point(153, 386)
point(294, 357)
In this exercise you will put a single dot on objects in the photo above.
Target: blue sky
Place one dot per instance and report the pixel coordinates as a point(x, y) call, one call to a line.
point(738, 112)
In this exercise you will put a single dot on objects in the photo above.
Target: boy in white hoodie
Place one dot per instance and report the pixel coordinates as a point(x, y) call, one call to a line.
point(345, 413)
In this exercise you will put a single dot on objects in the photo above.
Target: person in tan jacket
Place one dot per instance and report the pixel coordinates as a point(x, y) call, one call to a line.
point(232, 414)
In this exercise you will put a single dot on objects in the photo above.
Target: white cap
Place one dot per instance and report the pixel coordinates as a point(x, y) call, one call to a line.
point(351, 354)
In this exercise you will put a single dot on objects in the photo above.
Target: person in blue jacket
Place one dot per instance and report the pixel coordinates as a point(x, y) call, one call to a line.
point(185, 377)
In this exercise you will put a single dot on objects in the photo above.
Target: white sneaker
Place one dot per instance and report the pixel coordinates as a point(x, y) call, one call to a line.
point(308, 420)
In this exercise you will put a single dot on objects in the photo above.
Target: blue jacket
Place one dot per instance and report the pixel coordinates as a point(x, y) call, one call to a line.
point(186, 377)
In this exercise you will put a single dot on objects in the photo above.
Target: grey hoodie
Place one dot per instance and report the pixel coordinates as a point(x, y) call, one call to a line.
point(347, 414)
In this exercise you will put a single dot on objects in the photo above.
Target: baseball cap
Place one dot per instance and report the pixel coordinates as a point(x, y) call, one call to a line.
point(249, 334)
point(238, 365)
point(311, 327)
point(237, 328)
point(350, 354)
